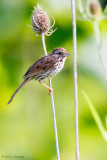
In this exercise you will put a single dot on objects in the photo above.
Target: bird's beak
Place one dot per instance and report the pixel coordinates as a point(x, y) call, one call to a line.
point(66, 54)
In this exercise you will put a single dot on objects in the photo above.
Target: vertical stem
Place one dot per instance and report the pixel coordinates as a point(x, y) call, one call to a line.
point(54, 119)
point(44, 45)
point(99, 45)
point(52, 101)
point(75, 77)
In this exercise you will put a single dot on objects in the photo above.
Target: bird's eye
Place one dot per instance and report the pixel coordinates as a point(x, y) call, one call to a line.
point(60, 53)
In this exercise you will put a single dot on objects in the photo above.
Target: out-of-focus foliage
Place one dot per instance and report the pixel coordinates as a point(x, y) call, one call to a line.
point(103, 3)
point(96, 116)
point(26, 125)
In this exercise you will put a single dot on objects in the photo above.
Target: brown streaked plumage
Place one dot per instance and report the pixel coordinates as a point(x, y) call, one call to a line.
point(44, 68)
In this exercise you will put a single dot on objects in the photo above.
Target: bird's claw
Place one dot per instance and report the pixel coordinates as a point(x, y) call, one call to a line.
point(50, 91)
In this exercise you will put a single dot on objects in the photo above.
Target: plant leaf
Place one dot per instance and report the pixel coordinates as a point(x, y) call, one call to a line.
point(95, 116)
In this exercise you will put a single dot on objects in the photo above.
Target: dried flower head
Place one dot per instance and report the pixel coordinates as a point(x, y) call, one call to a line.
point(41, 21)
point(95, 8)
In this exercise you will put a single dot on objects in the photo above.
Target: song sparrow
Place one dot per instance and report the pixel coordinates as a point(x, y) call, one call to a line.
point(44, 68)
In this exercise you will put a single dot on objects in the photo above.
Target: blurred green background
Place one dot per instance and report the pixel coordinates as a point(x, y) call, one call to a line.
point(26, 125)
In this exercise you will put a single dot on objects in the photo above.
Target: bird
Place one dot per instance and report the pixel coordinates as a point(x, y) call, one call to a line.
point(44, 68)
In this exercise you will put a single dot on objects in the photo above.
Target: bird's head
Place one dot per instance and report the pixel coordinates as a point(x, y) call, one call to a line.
point(61, 52)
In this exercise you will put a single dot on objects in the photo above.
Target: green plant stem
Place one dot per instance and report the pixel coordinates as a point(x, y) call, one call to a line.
point(97, 33)
point(75, 77)
point(52, 101)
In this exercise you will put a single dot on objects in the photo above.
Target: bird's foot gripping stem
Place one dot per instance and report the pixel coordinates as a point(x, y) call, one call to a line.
point(50, 89)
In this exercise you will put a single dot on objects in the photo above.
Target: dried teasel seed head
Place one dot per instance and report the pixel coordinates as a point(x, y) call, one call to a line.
point(95, 8)
point(41, 21)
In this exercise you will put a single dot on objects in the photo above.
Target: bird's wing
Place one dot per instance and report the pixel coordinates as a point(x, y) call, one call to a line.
point(41, 66)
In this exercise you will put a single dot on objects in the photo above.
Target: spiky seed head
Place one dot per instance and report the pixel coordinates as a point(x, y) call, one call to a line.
point(95, 8)
point(40, 20)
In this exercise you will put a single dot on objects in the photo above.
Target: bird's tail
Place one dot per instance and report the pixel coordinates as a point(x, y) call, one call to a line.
point(23, 83)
